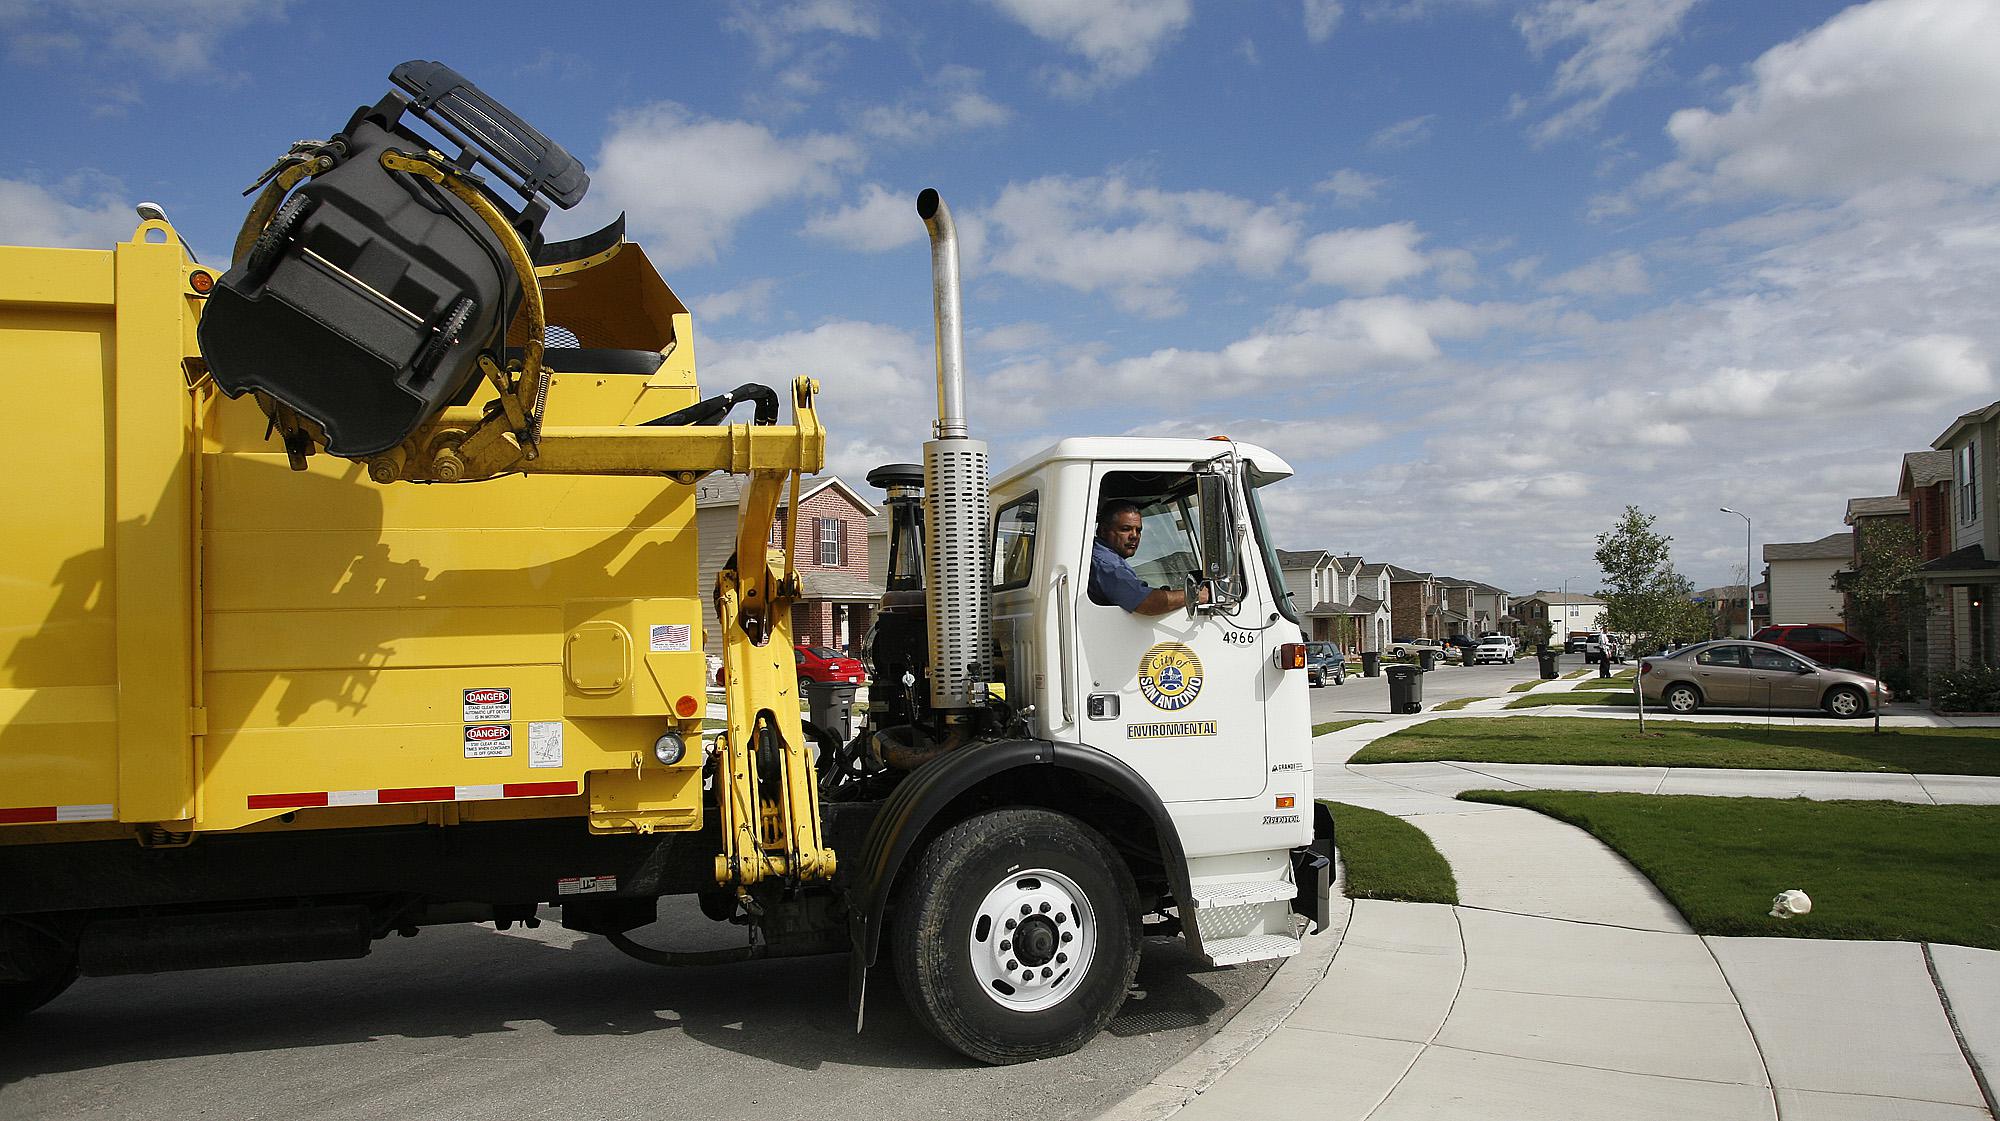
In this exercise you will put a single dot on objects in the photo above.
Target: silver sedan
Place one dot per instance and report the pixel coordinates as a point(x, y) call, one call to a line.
point(1734, 673)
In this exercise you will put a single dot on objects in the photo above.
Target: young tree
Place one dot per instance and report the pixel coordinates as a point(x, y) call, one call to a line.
point(1643, 595)
point(1882, 589)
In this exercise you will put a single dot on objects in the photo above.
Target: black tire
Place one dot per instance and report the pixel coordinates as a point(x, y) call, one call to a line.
point(1681, 699)
point(1078, 898)
point(1845, 702)
point(270, 245)
point(18, 998)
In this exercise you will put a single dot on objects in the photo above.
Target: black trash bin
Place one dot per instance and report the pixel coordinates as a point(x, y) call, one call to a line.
point(1427, 660)
point(1371, 663)
point(830, 706)
point(1547, 657)
point(1406, 689)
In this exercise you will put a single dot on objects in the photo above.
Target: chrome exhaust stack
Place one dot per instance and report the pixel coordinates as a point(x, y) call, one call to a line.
point(957, 502)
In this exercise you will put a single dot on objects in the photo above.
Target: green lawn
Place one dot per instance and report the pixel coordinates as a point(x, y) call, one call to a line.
point(1388, 858)
point(1577, 697)
point(1526, 685)
point(1337, 725)
point(1456, 703)
point(1609, 743)
point(1875, 870)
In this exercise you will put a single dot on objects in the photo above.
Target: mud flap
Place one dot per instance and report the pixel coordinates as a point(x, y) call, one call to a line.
point(1312, 870)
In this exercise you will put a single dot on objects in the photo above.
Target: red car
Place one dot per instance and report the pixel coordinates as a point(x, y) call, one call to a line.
point(1829, 646)
point(822, 663)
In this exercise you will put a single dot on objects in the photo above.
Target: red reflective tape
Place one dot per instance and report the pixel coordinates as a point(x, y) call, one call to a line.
point(286, 801)
point(537, 789)
point(419, 794)
point(28, 815)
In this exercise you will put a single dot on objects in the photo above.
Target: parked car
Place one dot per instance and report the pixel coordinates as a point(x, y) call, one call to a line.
point(1409, 649)
point(1736, 673)
point(1325, 665)
point(1574, 643)
point(1497, 650)
point(1513, 646)
point(1465, 644)
point(825, 664)
point(1596, 643)
point(1829, 646)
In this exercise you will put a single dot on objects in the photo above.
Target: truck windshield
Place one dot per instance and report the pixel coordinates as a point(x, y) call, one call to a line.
point(1269, 552)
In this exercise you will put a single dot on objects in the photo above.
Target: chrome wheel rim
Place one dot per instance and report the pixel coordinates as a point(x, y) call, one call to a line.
point(1032, 940)
point(1681, 700)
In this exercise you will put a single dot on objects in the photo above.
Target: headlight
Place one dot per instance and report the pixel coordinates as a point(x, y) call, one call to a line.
point(669, 748)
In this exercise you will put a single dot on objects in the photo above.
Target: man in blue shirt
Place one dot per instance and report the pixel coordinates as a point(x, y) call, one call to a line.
point(1112, 581)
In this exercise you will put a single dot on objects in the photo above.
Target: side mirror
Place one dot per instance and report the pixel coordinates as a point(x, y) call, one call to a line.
point(1219, 561)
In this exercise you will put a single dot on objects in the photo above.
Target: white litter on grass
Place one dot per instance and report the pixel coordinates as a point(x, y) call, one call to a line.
point(1789, 903)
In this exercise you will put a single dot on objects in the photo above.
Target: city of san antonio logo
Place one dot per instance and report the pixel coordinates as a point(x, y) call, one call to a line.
point(1170, 676)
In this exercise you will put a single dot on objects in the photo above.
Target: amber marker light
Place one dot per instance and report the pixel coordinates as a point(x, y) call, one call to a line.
point(687, 706)
point(1292, 655)
point(202, 282)
point(1286, 801)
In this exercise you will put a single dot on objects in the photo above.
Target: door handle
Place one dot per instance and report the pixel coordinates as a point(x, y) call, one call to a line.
point(1064, 637)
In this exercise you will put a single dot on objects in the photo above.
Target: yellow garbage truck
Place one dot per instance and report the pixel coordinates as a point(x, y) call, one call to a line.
point(357, 592)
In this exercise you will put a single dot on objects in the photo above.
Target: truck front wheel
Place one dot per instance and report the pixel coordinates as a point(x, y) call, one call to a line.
point(1017, 935)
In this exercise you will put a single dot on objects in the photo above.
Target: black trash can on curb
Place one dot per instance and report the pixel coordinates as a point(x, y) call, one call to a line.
point(1406, 689)
point(1547, 657)
point(1427, 660)
point(830, 706)
point(1371, 663)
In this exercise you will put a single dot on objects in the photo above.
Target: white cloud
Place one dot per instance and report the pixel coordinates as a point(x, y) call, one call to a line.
point(1618, 43)
point(777, 26)
point(1010, 337)
point(82, 213)
point(952, 103)
point(1406, 133)
point(1622, 273)
point(1119, 38)
point(1352, 188)
point(879, 222)
point(170, 40)
point(1880, 93)
point(686, 181)
point(752, 299)
point(1365, 260)
point(1137, 243)
point(1322, 16)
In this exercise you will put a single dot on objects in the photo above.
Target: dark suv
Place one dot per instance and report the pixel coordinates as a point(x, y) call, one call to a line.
point(1829, 646)
point(1325, 665)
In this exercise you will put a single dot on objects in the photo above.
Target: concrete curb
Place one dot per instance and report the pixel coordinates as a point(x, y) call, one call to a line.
point(1172, 1089)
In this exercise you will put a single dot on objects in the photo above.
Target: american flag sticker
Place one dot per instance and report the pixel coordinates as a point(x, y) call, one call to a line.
point(673, 638)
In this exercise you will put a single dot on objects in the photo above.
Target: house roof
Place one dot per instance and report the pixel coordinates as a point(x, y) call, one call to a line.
point(1834, 546)
point(719, 489)
point(1886, 506)
point(825, 584)
point(1300, 558)
point(1964, 421)
point(1489, 590)
point(1400, 575)
point(1557, 599)
point(1923, 469)
point(1374, 569)
point(1969, 559)
point(1330, 607)
point(1365, 605)
point(1349, 561)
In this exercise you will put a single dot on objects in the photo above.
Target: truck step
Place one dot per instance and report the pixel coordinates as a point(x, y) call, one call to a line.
point(1251, 947)
point(1243, 894)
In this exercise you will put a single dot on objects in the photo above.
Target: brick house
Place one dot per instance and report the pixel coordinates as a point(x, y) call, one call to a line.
point(1560, 613)
point(840, 595)
point(1925, 484)
point(1960, 615)
point(1415, 611)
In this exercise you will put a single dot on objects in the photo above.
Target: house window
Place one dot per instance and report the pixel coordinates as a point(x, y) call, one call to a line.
point(1968, 485)
point(832, 536)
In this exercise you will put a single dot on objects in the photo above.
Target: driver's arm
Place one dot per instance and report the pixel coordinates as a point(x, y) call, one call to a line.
point(1164, 601)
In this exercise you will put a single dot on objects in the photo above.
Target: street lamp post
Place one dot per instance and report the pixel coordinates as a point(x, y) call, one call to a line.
point(1569, 609)
point(1749, 609)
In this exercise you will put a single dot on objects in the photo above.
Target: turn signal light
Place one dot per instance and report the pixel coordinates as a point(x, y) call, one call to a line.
point(686, 707)
point(1645, 668)
point(1292, 655)
point(1286, 801)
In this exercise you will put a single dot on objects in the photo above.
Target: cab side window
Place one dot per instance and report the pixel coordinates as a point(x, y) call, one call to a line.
point(1014, 541)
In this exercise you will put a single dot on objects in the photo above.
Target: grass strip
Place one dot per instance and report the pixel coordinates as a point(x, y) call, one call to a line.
point(1874, 870)
point(1666, 743)
point(1577, 697)
point(1526, 685)
point(1456, 703)
point(1337, 725)
point(1388, 858)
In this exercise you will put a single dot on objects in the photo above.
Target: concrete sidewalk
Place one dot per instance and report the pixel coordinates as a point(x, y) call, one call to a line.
point(1564, 986)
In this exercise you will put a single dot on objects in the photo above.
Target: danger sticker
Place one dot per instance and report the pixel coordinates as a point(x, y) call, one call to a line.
point(483, 705)
point(545, 743)
point(586, 885)
point(673, 638)
point(488, 741)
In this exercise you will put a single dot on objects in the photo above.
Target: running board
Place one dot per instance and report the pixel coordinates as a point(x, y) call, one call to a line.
point(1248, 948)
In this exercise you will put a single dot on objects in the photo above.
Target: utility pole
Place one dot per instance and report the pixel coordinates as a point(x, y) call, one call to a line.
point(1749, 608)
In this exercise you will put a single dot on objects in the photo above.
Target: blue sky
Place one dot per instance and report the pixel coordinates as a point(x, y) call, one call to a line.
point(1485, 272)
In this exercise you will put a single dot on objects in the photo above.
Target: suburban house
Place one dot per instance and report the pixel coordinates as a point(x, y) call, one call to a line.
point(1727, 604)
point(1492, 610)
point(1925, 483)
point(1801, 575)
point(1415, 611)
point(839, 593)
point(1313, 581)
point(1870, 517)
point(1368, 597)
point(1455, 597)
point(1959, 587)
point(1561, 613)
